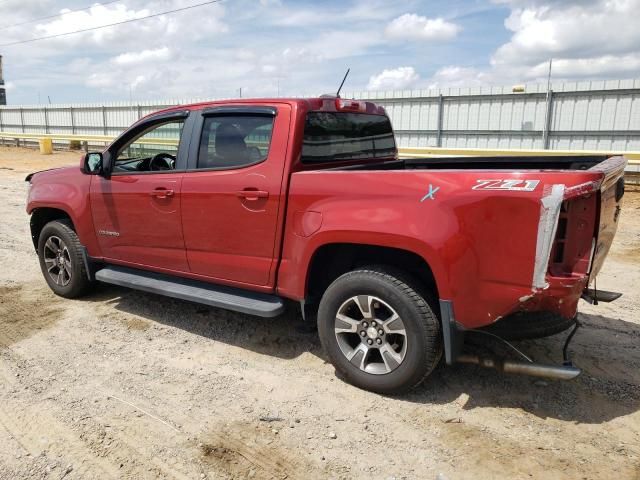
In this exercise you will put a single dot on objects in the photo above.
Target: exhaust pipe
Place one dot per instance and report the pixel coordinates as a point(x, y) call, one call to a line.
point(521, 368)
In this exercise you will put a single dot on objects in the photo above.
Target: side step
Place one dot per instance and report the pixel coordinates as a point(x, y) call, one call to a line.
point(236, 299)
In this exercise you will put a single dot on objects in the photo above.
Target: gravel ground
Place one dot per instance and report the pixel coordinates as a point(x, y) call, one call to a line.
point(130, 385)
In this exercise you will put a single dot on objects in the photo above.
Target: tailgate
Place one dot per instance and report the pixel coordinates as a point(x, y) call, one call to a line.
point(610, 198)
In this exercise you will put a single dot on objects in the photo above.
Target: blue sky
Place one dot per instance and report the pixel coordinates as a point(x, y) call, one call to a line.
point(268, 47)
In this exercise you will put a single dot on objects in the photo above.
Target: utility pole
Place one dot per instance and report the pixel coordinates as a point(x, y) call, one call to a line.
point(3, 92)
point(549, 75)
point(549, 106)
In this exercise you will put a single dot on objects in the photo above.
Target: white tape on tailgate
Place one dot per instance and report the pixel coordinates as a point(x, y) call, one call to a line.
point(549, 213)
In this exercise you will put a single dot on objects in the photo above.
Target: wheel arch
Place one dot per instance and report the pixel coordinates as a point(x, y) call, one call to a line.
point(40, 216)
point(331, 260)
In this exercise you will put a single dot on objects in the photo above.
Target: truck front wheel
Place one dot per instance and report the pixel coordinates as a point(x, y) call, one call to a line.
point(378, 331)
point(61, 262)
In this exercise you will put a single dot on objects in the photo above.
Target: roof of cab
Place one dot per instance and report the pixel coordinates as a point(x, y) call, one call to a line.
point(324, 103)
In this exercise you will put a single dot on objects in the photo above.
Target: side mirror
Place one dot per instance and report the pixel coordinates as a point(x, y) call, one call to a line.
point(93, 163)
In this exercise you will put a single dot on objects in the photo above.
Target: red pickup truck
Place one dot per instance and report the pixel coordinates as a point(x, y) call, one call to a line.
point(249, 204)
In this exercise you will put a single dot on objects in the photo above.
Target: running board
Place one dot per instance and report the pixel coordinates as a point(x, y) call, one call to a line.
point(236, 299)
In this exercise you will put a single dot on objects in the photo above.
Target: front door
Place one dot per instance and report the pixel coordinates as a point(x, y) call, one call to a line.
point(231, 193)
point(136, 212)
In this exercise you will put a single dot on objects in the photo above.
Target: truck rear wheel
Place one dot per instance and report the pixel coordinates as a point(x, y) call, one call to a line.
point(61, 261)
point(378, 331)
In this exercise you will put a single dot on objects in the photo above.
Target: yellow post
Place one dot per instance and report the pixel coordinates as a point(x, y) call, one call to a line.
point(46, 146)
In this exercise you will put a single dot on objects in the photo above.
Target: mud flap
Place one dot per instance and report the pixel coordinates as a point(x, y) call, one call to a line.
point(452, 333)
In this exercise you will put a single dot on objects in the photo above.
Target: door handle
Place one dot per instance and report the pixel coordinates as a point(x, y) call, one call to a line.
point(252, 195)
point(162, 192)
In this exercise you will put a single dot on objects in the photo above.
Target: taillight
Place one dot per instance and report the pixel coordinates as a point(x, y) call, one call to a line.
point(347, 105)
point(573, 244)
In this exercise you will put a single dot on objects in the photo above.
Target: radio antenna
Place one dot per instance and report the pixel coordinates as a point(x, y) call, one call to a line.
point(343, 80)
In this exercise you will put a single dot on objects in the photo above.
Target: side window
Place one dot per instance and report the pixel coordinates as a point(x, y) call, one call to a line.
point(154, 149)
point(233, 141)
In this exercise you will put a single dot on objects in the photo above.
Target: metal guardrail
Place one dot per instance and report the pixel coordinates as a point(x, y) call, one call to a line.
point(88, 139)
point(632, 174)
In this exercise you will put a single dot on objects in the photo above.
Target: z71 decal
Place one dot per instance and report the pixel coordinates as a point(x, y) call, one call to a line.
point(511, 185)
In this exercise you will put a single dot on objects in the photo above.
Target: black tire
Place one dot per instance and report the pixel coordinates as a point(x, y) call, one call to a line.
point(530, 325)
point(78, 282)
point(422, 350)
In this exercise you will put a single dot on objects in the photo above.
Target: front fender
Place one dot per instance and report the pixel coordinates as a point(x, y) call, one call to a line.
point(66, 190)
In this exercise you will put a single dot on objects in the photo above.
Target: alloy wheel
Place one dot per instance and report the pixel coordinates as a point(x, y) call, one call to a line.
point(58, 261)
point(371, 334)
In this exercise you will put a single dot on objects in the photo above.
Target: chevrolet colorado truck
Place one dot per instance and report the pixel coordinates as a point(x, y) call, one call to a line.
point(251, 204)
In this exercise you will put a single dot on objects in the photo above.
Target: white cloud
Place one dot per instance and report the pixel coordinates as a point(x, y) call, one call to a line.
point(605, 65)
point(271, 46)
point(393, 79)
point(541, 3)
point(145, 56)
point(99, 80)
point(416, 27)
point(13, 11)
point(344, 12)
point(587, 39)
point(456, 76)
point(144, 32)
point(94, 17)
point(287, 47)
point(570, 30)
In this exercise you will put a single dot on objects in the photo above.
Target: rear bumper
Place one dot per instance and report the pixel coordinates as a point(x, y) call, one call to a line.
point(561, 296)
point(498, 300)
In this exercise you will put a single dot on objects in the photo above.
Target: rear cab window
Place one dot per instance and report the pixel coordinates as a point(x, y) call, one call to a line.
point(344, 136)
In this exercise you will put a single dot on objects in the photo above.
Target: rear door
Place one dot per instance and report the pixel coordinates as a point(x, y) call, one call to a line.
point(231, 193)
point(136, 212)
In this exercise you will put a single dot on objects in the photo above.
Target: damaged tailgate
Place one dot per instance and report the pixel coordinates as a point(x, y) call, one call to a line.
point(611, 191)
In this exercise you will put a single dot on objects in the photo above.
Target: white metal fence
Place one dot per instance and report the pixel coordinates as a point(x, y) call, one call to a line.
point(602, 115)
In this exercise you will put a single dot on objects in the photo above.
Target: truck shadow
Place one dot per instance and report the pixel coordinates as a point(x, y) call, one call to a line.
point(606, 349)
point(285, 336)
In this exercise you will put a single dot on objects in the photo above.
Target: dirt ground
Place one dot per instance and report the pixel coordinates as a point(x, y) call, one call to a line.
point(125, 384)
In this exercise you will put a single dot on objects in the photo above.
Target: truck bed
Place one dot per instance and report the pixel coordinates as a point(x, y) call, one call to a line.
point(511, 163)
point(564, 162)
point(506, 233)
